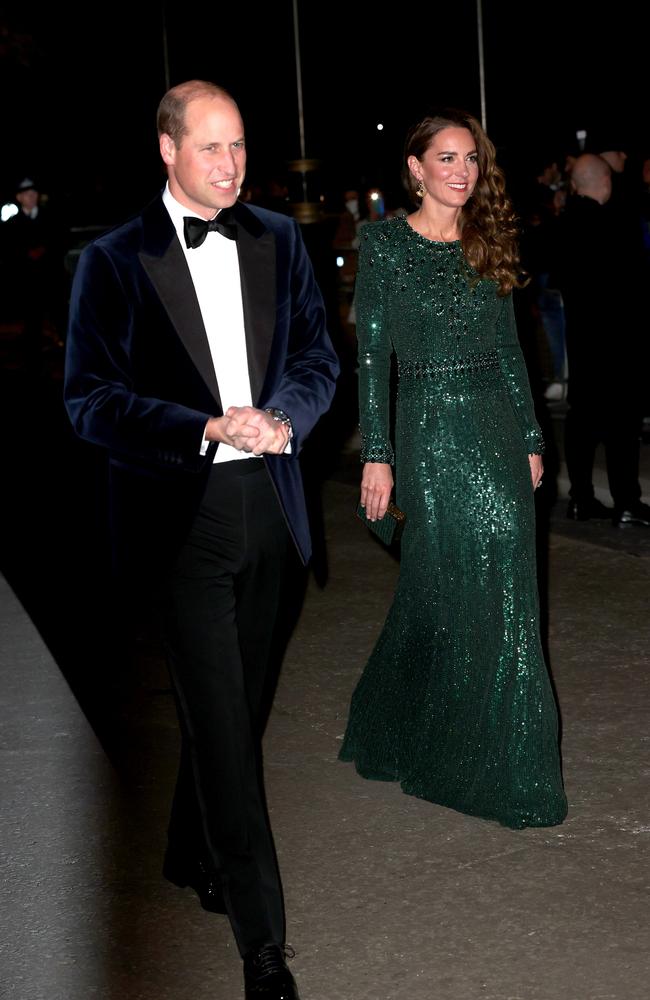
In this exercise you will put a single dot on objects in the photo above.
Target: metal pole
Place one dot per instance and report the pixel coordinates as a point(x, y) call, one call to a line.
point(301, 116)
point(481, 60)
point(165, 48)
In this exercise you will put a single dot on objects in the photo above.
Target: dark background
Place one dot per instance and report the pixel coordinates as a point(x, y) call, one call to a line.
point(80, 87)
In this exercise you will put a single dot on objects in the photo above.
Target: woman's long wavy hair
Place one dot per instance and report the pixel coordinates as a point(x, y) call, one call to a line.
point(488, 225)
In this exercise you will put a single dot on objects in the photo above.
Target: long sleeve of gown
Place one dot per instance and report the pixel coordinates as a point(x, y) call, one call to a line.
point(374, 351)
point(513, 368)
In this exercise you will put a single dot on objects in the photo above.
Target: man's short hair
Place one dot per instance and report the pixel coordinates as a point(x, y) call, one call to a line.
point(172, 109)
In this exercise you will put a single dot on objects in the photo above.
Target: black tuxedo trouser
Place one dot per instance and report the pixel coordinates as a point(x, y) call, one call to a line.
point(593, 418)
point(220, 608)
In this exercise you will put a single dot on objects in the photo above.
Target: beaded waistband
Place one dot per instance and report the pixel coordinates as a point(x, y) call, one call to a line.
point(449, 366)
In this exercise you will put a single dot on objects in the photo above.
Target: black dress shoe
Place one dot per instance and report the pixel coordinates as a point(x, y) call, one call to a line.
point(200, 876)
point(585, 510)
point(638, 513)
point(266, 976)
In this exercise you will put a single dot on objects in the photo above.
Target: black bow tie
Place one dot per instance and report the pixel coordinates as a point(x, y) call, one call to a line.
point(195, 230)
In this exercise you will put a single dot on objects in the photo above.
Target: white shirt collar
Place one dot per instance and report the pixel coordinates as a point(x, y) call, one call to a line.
point(178, 212)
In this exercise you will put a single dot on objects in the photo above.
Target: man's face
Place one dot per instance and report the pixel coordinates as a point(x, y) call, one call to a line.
point(28, 200)
point(550, 175)
point(207, 170)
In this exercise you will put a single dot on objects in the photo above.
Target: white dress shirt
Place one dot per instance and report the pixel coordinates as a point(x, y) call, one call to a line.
point(214, 269)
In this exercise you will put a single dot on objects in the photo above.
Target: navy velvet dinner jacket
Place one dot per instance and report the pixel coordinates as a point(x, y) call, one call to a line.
point(140, 381)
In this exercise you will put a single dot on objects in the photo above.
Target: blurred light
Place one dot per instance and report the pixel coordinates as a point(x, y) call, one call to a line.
point(340, 262)
point(380, 127)
point(8, 211)
point(374, 195)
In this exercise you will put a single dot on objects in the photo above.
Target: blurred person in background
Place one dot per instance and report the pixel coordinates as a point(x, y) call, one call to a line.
point(600, 271)
point(35, 291)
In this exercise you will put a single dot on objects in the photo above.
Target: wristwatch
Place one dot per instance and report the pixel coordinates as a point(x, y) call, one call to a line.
point(281, 417)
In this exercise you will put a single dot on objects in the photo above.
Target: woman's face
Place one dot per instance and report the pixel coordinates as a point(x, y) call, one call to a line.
point(449, 168)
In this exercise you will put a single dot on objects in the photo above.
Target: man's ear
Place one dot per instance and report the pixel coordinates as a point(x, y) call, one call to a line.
point(167, 149)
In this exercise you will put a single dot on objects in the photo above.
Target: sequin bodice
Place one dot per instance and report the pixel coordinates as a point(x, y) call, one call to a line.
point(455, 701)
point(419, 299)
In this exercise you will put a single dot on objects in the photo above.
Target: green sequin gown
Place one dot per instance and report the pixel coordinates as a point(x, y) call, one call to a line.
point(455, 702)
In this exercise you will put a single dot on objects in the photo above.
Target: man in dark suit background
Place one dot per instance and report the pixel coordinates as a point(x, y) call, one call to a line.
point(34, 288)
point(198, 356)
point(599, 270)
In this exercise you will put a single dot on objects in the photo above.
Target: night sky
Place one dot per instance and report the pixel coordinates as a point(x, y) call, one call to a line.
point(79, 93)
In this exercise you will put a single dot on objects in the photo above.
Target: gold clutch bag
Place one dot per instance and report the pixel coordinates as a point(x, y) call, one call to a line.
point(389, 529)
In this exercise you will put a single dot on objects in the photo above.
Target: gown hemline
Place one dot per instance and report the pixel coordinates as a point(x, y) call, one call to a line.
point(512, 823)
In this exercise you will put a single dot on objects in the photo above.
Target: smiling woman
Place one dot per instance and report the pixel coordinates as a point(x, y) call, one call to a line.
point(447, 174)
point(450, 166)
point(455, 702)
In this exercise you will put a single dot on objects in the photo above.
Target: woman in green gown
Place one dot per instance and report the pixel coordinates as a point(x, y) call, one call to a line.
point(455, 702)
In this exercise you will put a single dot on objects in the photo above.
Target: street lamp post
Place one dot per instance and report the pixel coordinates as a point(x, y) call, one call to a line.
point(481, 61)
point(305, 209)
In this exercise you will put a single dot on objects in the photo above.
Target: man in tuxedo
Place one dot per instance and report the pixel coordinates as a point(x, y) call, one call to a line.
point(197, 355)
point(599, 270)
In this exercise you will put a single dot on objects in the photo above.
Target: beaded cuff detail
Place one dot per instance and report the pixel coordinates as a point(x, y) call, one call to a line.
point(535, 443)
point(376, 451)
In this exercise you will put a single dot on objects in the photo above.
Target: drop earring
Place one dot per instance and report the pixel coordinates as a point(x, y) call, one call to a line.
point(420, 190)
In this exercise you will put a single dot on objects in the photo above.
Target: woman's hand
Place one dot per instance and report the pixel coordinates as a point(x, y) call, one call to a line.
point(536, 469)
point(376, 488)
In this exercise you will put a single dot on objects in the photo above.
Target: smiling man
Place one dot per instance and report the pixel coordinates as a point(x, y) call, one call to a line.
point(198, 357)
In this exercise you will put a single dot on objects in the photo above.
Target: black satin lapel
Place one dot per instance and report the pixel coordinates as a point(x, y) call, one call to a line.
point(170, 277)
point(257, 270)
